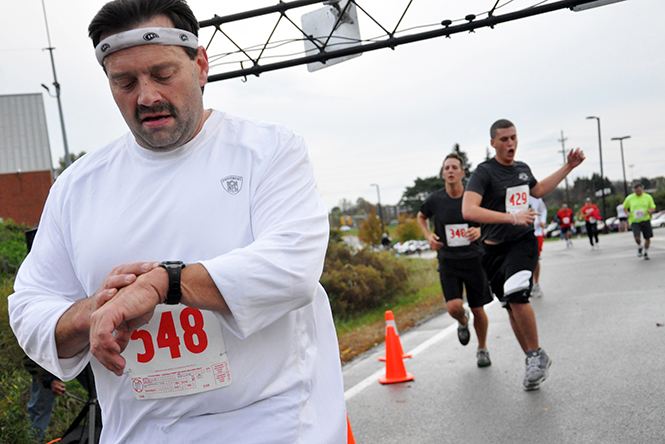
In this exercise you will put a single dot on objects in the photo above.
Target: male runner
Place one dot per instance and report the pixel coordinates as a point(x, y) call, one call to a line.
point(498, 196)
point(459, 254)
point(565, 215)
point(640, 206)
point(623, 218)
point(591, 215)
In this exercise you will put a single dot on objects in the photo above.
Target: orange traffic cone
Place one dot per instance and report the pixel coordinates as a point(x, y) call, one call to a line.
point(349, 433)
point(395, 370)
point(390, 320)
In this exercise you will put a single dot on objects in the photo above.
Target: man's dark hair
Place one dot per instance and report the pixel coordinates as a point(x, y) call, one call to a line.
point(121, 15)
point(453, 156)
point(500, 124)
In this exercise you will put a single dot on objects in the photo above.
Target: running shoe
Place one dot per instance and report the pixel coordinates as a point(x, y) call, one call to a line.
point(483, 358)
point(639, 251)
point(463, 330)
point(536, 291)
point(646, 256)
point(537, 368)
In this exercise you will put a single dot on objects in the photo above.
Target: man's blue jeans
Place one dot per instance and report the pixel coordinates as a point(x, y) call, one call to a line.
point(40, 407)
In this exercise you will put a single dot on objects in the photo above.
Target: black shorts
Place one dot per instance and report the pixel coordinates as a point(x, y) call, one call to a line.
point(469, 272)
point(509, 267)
point(565, 230)
point(643, 227)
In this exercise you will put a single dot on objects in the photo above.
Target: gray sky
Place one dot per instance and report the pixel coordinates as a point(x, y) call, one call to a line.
point(390, 116)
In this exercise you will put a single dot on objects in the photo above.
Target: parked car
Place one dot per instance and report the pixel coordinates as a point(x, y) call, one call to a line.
point(658, 219)
point(411, 246)
point(612, 223)
point(552, 230)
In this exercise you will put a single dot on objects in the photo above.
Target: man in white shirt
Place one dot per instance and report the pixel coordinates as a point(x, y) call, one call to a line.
point(538, 205)
point(234, 341)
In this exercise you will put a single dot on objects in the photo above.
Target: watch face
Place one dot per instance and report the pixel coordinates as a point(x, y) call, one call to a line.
point(173, 264)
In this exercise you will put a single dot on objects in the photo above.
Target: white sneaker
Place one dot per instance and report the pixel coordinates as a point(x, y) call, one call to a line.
point(536, 291)
point(537, 369)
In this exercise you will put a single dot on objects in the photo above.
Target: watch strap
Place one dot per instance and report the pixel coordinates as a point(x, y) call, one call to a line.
point(174, 269)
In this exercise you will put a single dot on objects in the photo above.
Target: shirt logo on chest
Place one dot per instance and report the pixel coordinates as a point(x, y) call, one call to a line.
point(232, 184)
point(524, 176)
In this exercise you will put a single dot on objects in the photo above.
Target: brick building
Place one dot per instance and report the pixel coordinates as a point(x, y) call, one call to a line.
point(26, 167)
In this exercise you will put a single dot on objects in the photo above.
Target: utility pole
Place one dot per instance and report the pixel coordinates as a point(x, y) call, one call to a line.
point(378, 193)
point(50, 48)
point(602, 175)
point(563, 151)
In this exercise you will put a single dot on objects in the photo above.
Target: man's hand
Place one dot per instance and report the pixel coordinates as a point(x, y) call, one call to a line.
point(113, 323)
point(58, 387)
point(575, 157)
point(473, 234)
point(72, 332)
point(525, 217)
point(434, 242)
point(121, 276)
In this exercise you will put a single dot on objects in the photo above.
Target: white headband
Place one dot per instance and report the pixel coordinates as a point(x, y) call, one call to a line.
point(144, 36)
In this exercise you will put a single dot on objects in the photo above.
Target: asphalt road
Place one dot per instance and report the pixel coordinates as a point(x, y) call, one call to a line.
point(598, 321)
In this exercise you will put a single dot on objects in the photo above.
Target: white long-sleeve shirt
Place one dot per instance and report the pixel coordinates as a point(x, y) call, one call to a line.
point(240, 199)
point(538, 206)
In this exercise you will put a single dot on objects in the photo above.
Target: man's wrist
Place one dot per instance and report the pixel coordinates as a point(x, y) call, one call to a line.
point(174, 291)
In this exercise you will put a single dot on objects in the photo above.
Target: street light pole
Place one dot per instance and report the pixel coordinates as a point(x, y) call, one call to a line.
point(602, 175)
point(623, 166)
point(68, 160)
point(383, 228)
point(563, 151)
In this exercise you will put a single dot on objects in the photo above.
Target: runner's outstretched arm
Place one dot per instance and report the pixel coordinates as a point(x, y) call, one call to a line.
point(575, 157)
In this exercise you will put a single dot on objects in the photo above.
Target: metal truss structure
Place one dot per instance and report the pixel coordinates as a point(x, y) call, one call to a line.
point(277, 53)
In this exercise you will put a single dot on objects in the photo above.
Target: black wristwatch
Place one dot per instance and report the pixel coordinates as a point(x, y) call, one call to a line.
point(173, 268)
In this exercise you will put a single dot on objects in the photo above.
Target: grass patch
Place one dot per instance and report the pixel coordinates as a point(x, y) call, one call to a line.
point(358, 334)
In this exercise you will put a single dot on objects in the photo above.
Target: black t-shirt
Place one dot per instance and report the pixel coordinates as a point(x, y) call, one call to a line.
point(504, 188)
point(450, 226)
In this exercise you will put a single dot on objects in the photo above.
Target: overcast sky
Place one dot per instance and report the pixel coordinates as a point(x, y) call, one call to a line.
point(390, 116)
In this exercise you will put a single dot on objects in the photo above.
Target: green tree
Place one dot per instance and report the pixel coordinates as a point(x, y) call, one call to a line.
point(370, 232)
point(407, 229)
point(61, 162)
point(414, 196)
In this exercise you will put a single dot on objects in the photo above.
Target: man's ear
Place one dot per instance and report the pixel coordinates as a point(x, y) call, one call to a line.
point(202, 64)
